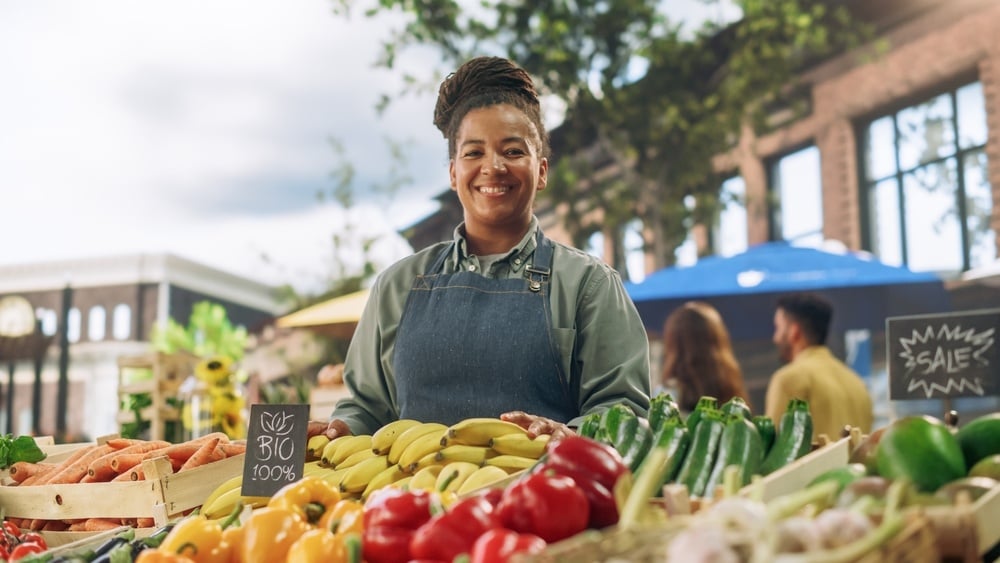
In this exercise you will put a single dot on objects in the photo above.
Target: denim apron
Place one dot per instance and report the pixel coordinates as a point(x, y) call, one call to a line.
point(471, 346)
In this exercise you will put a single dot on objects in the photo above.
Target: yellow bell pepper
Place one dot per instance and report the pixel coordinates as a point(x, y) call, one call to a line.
point(157, 556)
point(309, 497)
point(322, 546)
point(199, 539)
point(270, 532)
point(345, 517)
point(233, 536)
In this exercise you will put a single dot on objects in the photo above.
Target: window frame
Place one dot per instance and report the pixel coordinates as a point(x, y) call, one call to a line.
point(861, 127)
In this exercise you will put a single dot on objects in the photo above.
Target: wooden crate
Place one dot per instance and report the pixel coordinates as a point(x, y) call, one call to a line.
point(54, 453)
point(168, 372)
point(966, 530)
point(162, 496)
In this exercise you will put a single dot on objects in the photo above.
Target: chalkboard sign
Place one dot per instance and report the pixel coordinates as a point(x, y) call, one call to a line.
point(276, 448)
point(943, 355)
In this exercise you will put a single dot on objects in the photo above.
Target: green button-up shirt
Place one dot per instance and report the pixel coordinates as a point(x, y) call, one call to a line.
point(600, 336)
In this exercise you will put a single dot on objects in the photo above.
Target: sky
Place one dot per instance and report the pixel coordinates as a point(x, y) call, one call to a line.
point(203, 129)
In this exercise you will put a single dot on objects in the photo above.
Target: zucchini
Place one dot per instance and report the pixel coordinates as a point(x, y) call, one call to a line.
point(765, 426)
point(590, 425)
point(674, 438)
point(611, 422)
point(737, 405)
point(740, 445)
point(639, 444)
point(704, 402)
point(700, 458)
point(980, 438)
point(794, 437)
point(661, 408)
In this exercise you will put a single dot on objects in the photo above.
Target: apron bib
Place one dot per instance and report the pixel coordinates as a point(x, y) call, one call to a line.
point(470, 346)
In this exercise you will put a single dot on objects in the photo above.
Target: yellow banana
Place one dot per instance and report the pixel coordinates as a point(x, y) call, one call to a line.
point(483, 477)
point(461, 452)
point(358, 476)
point(427, 444)
point(511, 463)
point(356, 458)
point(313, 467)
point(426, 461)
point(403, 483)
point(384, 478)
point(315, 445)
point(350, 446)
point(453, 475)
point(225, 503)
point(334, 476)
point(479, 431)
point(407, 437)
point(383, 438)
point(425, 478)
point(331, 448)
point(520, 444)
point(235, 482)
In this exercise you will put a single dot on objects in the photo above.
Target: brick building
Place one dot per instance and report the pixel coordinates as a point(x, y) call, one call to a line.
point(897, 154)
point(113, 304)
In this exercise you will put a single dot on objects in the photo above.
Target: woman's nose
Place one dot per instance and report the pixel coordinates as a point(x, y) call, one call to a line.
point(495, 165)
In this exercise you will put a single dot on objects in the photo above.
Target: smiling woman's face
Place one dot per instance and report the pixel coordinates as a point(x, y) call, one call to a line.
point(496, 170)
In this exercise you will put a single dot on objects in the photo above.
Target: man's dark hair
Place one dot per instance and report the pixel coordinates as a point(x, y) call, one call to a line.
point(812, 313)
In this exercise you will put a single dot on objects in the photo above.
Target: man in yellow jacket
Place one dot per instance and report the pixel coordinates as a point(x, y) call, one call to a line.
point(837, 396)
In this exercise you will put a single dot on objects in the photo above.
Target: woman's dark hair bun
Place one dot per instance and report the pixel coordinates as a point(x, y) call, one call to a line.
point(480, 82)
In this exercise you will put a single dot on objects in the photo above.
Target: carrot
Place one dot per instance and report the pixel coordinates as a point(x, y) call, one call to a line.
point(73, 472)
point(21, 470)
point(73, 457)
point(54, 526)
point(94, 525)
point(102, 468)
point(205, 454)
point(233, 448)
point(122, 443)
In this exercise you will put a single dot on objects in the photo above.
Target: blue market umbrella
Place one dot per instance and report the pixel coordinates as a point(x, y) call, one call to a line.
point(745, 287)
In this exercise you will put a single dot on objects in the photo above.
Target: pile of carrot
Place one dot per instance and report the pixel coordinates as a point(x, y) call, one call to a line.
point(117, 459)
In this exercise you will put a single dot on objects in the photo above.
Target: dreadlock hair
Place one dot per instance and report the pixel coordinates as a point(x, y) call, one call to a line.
point(483, 82)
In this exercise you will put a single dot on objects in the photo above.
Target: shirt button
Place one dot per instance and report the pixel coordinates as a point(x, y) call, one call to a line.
point(517, 261)
point(472, 267)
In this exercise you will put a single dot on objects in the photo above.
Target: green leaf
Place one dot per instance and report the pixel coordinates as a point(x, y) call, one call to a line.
point(22, 448)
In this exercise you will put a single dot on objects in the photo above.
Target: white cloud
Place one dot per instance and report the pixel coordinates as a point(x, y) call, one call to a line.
point(160, 126)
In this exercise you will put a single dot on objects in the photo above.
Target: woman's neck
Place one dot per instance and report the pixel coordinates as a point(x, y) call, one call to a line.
point(493, 241)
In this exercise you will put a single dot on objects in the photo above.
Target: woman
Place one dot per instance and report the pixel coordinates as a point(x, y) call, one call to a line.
point(698, 357)
point(500, 321)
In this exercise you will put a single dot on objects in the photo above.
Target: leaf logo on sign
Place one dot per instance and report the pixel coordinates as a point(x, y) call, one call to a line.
point(277, 423)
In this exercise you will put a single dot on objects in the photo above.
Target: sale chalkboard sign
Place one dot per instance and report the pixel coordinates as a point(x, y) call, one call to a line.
point(276, 448)
point(943, 355)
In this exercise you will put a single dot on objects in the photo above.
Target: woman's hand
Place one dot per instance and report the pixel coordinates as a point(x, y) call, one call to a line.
point(536, 425)
point(333, 429)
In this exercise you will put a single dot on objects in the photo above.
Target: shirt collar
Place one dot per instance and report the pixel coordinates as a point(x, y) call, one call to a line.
point(516, 256)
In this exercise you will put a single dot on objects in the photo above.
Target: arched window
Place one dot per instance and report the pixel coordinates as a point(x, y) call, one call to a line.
point(49, 320)
point(73, 325)
point(121, 322)
point(96, 323)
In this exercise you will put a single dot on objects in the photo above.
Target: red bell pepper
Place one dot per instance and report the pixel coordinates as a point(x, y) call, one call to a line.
point(595, 467)
point(391, 518)
point(452, 533)
point(500, 545)
point(545, 504)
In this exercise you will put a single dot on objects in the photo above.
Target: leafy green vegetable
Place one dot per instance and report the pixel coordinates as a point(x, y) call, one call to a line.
point(22, 448)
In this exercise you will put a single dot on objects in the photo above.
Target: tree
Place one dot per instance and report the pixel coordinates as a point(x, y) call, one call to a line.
point(653, 103)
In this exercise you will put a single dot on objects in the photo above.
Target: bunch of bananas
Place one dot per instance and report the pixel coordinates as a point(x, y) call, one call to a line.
point(476, 452)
